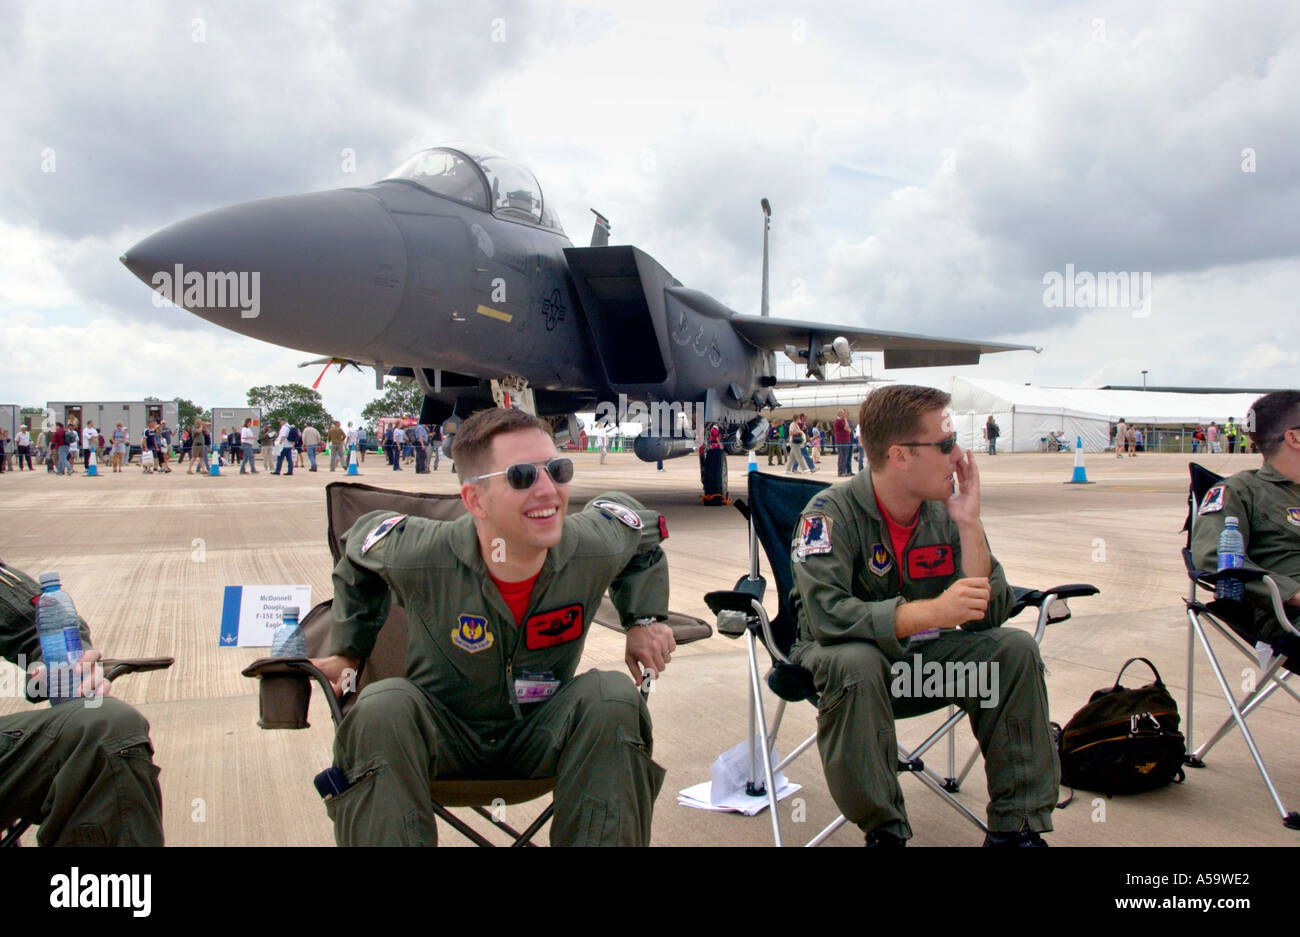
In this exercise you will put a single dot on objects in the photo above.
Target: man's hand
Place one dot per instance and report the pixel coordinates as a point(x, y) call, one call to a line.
point(88, 668)
point(649, 647)
point(341, 671)
point(964, 508)
point(965, 600)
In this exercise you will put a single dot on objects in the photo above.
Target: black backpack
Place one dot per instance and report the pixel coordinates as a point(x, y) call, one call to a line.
point(1123, 741)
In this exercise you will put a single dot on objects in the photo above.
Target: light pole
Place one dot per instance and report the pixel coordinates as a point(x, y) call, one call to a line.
point(1144, 378)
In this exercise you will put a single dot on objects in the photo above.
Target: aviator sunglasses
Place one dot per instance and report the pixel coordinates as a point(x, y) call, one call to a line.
point(523, 475)
point(944, 445)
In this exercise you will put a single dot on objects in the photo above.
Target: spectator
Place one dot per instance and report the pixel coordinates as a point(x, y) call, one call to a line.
point(1121, 438)
point(198, 449)
point(991, 433)
point(338, 439)
point(857, 443)
point(24, 441)
point(248, 447)
point(72, 437)
point(310, 442)
point(148, 443)
point(164, 446)
point(361, 442)
point(185, 445)
point(420, 443)
point(843, 444)
point(4, 449)
point(283, 448)
point(1212, 437)
point(58, 449)
point(118, 441)
point(435, 443)
point(266, 438)
point(1132, 442)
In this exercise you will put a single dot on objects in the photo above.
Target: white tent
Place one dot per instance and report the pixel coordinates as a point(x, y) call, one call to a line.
point(1026, 414)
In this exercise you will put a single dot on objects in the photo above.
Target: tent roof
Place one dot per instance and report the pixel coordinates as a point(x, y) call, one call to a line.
point(1136, 406)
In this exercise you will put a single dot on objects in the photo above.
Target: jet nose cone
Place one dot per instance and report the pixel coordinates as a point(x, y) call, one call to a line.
point(319, 272)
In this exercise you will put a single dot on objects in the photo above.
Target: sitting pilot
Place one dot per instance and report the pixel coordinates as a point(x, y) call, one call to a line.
point(82, 771)
point(499, 602)
point(892, 573)
point(1266, 503)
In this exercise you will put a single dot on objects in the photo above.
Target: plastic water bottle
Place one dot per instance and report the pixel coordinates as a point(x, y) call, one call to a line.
point(60, 637)
point(1232, 555)
point(289, 641)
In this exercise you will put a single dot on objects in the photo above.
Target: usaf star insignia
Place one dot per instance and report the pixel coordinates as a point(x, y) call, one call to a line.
point(620, 512)
point(880, 563)
point(471, 634)
point(1213, 500)
point(379, 532)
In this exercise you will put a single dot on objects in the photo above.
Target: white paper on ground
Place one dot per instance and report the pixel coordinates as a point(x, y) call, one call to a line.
point(701, 798)
point(729, 772)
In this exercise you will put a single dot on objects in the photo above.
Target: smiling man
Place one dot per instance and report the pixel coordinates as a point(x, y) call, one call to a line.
point(499, 603)
point(893, 575)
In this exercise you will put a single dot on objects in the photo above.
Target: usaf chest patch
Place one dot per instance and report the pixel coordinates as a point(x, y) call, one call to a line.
point(1213, 500)
point(814, 535)
point(620, 512)
point(379, 532)
point(927, 562)
point(1293, 516)
point(558, 626)
point(471, 634)
point(879, 562)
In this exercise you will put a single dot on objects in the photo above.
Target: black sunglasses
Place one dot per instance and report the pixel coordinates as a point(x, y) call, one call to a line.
point(944, 445)
point(523, 475)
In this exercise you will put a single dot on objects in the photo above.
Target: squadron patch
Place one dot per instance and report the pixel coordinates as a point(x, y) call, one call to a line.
point(1293, 516)
point(1213, 501)
point(379, 532)
point(814, 535)
point(620, 512)
point(558, 626)
point(471, 634)
point(928, 562)
point(880, 563)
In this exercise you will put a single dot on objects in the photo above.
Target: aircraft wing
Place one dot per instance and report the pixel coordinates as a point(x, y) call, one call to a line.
point(902, 349)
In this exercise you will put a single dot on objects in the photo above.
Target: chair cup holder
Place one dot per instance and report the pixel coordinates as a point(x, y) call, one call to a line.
point(282, 700)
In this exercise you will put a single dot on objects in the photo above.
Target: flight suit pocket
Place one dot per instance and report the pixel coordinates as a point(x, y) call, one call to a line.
point(829, 707)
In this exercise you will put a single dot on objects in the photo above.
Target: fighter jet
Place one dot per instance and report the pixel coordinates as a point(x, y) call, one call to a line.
point(453, 271)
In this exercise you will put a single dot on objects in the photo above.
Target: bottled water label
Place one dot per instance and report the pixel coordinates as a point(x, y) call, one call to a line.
point(1231, 561)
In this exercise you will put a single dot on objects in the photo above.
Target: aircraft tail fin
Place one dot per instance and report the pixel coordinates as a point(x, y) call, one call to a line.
point(600, 233)
point(764, 310)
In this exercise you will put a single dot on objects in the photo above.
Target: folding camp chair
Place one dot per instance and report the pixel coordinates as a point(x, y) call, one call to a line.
point(9, 836)
point(775, 503)
point(285, 690)
point(1236, 622)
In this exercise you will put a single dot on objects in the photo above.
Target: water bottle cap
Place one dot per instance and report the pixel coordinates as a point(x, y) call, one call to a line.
point(49, 578)
point(289, 611)
point(1230, 520)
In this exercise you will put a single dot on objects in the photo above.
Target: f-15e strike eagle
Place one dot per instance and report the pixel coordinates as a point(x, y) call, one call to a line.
point(453, 271)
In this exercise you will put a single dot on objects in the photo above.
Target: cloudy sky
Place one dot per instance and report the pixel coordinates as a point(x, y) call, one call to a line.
point(929, 165)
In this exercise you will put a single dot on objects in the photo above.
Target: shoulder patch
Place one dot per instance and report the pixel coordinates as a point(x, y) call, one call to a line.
point(381, 531)
point(1293, 516)
point(619, 512)
point(814, 535)
point(471, 634)
point(879, 561)
point(1213, 500)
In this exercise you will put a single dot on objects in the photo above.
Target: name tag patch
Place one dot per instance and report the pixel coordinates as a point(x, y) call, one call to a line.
point(814, 535)
point(926, 562)
point(559, 626)
point(471, 634)
point(535, 687)
point(1213, 500)
point(879, 562)
point(380, 532)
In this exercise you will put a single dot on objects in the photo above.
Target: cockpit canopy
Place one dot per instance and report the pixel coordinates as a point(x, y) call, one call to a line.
point(480, 176)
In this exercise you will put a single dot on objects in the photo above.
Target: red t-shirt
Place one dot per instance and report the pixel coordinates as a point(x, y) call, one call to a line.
point(517, 595)
point(898, 535)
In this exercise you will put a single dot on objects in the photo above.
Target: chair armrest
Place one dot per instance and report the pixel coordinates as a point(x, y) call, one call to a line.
point(730, 600)
point(114, 668)
point(282, 667)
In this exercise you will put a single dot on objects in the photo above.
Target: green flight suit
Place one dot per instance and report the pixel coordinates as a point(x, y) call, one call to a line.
point(1267, 506)
point(82, 771)
point(457, 713)
point(848, 584)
